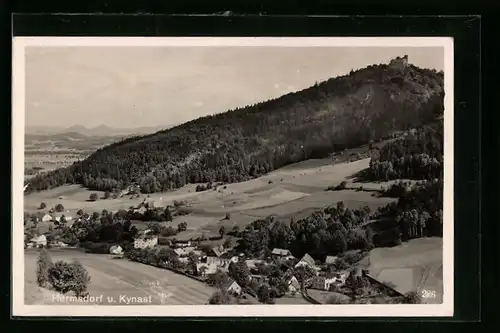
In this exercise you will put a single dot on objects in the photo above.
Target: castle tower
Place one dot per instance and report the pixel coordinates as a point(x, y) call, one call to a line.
point(399, 63)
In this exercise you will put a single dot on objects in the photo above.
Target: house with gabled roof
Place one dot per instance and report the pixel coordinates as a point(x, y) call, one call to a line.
point(306, 260)
point(231, 287)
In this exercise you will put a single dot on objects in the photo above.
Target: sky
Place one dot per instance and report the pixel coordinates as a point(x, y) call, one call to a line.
point(130, 87)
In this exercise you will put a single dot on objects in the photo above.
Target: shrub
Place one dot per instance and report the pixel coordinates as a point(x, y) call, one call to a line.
point(182, 226)
point(342, 186)
point(66, 277)
point(43, 265)
point(228, 216)
point(42, 205)
point(220, 297)
point(93, 197)
point(59, 208)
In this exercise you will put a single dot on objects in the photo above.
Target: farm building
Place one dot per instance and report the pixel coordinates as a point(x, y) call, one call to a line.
point(145, 242)
point(281, 252)
point(306, 260)
point(330, 260)
point(39, 241)
point(231, 287)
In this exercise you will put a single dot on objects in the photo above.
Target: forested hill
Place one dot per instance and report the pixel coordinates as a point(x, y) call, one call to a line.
point(343, 112)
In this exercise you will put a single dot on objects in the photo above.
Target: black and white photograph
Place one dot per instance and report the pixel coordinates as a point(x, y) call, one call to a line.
point(177, 176)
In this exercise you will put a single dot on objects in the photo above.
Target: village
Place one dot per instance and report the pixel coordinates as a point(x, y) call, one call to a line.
point(273, 275)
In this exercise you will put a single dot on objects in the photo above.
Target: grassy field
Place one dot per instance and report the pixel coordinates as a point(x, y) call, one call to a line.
point(119, 277)
point(296, 190)
point(412, 266)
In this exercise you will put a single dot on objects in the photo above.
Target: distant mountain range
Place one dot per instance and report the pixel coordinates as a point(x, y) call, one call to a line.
point(101, 130)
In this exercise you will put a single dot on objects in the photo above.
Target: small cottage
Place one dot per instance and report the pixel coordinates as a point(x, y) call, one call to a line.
point(231, 287)
point(39, 241)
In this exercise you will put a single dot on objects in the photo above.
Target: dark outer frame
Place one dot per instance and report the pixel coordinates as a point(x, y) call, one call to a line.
point(466, 33)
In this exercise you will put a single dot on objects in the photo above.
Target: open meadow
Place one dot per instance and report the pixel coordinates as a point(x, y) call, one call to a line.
point(123, 280)
point(416, 265)
point(294, 191)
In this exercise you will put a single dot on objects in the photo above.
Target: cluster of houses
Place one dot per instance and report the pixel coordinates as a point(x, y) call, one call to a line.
point(53, 217)
point(40, 241)
point(218, 258)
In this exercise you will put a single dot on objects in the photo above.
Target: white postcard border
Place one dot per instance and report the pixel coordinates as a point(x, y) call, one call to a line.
point(373, 310)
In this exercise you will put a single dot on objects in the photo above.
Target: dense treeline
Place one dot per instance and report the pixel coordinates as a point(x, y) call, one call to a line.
point(418, 211)
point(344, 112)
point(329, 232)
point(417, 155)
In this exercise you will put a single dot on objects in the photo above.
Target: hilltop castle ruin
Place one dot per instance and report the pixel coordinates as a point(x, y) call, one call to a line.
point(399, 63)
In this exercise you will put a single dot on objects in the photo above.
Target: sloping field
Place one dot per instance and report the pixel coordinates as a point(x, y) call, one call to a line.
point(120, 282)
point(412, 266)
point(295, 189)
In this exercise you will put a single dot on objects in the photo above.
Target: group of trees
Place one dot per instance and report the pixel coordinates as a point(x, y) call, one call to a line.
point(61, 276)
point(343, 112)
point(418, 155)
point(161, 256)
point(331, 231)
point(418, 211)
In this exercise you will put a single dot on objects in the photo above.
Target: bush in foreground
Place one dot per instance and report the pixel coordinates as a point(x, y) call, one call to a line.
point(65, 277)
